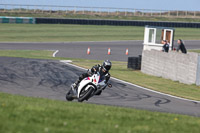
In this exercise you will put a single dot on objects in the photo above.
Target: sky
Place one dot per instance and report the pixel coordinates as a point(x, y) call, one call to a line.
point(189, 5)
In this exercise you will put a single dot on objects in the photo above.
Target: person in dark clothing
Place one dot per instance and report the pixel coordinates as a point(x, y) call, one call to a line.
point(102, 69)
point(165, 46)
point(181, 46)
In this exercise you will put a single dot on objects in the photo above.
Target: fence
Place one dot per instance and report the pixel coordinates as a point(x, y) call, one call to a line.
point(101, 11)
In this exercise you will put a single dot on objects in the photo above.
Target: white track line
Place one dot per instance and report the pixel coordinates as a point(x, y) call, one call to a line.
point(54, 54)
point(67, 62)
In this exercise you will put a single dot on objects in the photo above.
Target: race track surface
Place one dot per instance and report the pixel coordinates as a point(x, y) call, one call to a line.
point(52, 79)
point(98, 50)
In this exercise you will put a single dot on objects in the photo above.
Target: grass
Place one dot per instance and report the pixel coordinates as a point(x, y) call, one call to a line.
point(85, 16)
point(119, 70)
point(66, 33)
point(195, 50)
point(21, 114)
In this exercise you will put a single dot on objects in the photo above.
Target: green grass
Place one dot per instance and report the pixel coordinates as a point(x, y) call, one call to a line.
point(195, 50)
point(27, 53)
point(21, 114)
point(63, 33)
point(119, 70)
point(66, 33)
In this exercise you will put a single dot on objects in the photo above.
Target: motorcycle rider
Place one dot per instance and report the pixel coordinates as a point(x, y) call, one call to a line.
point(102, 69)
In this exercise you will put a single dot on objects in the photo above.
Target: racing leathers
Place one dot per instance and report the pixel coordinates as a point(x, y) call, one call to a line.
point(105, 75)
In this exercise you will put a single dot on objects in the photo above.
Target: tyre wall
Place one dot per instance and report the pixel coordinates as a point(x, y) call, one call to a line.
point(115, 22)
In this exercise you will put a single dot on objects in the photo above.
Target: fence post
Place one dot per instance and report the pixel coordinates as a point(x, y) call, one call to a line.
point(66, 11)
point(100, 11)
point(194, 13)
point(51, 10)
point(5, 8)
point(42, 9)
point(142, 12)
point(160, 13)
point(83, 12)
point(74, 10)
point(125, 12)
point(19, 8)
point(177, 13)
point(134, 12)
point(169, 13)
point(27, 8)
point(12, 10)
point(91, 11)
point(34, 9)
point(186, 13)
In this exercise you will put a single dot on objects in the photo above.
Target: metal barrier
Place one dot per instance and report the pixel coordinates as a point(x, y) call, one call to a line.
point(21, 20)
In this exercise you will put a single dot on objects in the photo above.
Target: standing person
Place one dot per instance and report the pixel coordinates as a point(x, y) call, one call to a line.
point(181, 46)
point(165, 47)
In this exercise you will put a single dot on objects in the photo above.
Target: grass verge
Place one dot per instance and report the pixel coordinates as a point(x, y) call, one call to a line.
point(21, 114)
point(66, 33)
point(195, 50)
point(120, 71)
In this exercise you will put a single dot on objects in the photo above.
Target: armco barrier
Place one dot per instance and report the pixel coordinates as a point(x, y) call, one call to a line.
point(115, 22)
point(20, 20)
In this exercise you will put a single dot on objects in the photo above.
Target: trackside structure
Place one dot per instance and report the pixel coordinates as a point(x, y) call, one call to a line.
point(173, 65)
point(153, 37)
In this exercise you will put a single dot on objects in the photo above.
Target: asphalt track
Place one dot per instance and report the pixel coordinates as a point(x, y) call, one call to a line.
point(52, 79)
point(98, 50)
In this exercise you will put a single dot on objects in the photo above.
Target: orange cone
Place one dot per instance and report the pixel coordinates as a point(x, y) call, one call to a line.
point(109, 51)
point(88, 50)
point(127, 51)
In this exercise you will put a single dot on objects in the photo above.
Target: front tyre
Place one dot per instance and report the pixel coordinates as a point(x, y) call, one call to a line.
point(85, 94)
point(69, 95)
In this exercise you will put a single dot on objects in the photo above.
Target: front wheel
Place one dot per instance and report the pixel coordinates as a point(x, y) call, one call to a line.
point(69, 95)
point(85, 94)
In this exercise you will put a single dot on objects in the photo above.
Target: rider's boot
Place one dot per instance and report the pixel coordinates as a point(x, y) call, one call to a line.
point(74, 88)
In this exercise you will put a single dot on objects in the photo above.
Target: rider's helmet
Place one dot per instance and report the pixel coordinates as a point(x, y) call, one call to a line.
point(106, 65)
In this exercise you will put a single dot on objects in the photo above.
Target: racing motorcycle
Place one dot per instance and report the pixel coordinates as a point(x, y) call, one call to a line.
point(87, 88)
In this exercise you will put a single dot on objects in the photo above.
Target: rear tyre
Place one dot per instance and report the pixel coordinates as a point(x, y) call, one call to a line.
point(69, 95)
point(85, 94)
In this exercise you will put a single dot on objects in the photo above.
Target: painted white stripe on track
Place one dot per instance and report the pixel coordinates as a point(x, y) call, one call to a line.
point(138, 86)
point(54, 54)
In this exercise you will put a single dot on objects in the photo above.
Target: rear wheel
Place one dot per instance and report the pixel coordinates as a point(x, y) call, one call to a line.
point(85, 94)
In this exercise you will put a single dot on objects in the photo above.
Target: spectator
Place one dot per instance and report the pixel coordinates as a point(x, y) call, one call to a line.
point(165, 47)
point(181, 46)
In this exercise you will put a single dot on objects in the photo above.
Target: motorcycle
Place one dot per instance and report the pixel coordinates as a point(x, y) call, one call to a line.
point(87, 88)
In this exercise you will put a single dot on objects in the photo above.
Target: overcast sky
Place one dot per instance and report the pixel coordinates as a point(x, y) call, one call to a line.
point(138, 4)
